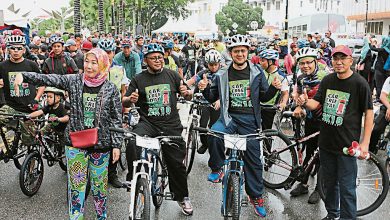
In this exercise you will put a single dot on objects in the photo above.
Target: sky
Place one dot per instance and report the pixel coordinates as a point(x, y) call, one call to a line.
point(34, 6)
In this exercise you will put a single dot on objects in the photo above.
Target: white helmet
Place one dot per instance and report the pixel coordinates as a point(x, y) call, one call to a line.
point(306, 52)
point(239, 40)
point(15, 39)
point(213, 56)
point(210, 47)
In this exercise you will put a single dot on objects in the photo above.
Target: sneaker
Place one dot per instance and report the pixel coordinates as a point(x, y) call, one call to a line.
point(314, 198)
point(258, 204)
point(114, 181)
point(215, 177)
point(186, 206)
point(330, 218)
point(202, 149)
point(299, 190)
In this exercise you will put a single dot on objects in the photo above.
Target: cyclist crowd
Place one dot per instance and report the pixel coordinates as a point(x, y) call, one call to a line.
point(95, 82)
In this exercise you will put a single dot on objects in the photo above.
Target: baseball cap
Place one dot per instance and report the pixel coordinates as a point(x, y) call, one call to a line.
point(17, 32)
point(87, 45)
point(342, 49)
point(70, 42)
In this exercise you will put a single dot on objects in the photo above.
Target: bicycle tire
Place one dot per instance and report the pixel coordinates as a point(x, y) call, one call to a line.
point(388, 167)
point(233, 200)
point(285, 125)
point(30, 174)
point(62, 158)
point(274, 159)
point(160, 180)
point(381, 182)
point(18, 153)
point(142, 189)
point(191, 146)
point(122, 159)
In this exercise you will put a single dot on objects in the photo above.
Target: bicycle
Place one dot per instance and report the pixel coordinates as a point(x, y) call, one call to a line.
point(191, 136)
point(282, 169)
point(150, 174)
point(17, 150)
point(233, 180)
point(32, 170)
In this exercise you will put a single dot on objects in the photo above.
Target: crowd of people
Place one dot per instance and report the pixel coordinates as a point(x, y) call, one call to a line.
point(94, 82)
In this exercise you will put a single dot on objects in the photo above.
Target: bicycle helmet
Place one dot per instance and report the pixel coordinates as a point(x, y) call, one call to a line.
point(228, 41)
point(303, 43)
point(306, 52)
point(15, 39)
point(168, 44)
point(56, 39)
point(261, 48)
point(138, 37)
point(107, 45)
point(152, 48)
point(325, 40)
point(239, 40)
point(282, 43)
point(55, 91)
point(126, 42)
point(269, 54)
point(212, 56)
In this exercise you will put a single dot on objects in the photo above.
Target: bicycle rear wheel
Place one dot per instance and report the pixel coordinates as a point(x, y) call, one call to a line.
point(280, 159)
point(142, 200)
point(191, 146)
point(122, 159)
point(372, 185)
point(233, 201)
point(31, 174)
point(160, 180)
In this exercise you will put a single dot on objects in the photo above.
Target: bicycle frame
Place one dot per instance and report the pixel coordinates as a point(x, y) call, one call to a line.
point(9, 154)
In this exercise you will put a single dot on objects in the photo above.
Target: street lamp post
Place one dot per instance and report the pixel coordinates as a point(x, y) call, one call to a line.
point(286, 22)
point(366, 23)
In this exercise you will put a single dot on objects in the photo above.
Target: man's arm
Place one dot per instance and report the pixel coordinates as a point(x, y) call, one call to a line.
point(137, 63)
point(40, 92)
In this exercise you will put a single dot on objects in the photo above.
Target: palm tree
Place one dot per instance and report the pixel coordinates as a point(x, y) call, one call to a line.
point(101, 16)
point(77, 16)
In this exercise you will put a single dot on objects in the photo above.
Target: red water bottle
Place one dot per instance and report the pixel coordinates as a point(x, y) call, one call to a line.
point(165, 97)
point(354, 151)
point(248, 92)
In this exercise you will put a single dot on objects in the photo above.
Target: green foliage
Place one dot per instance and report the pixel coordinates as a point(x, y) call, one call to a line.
point(240, 13)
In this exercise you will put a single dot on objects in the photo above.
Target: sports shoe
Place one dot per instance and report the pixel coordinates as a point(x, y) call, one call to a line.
point(314, 198)
point(186, 206)
point(258, 204)
point(299, 190)
point(202, 149)
point(330, 218)
point(114, 181)
point(215, 177)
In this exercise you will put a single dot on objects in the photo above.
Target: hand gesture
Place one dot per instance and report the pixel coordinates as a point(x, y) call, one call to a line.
point(203, 83)
point(183, 89)
point(298, 112)
point(302, 99)
point(134, 96)
point(276, 83)
point(217, 105)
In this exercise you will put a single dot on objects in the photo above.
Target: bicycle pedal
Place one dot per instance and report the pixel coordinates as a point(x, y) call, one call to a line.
point(168, 196)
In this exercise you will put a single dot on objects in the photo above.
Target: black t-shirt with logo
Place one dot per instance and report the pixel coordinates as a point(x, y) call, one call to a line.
point(90, 105)
point(157, 97)
point(56, 112)
point(27, 92)
point(343, 103)
point(239, 91)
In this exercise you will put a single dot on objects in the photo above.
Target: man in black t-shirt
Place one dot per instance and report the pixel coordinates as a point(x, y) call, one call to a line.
point(345, 96)
point(154, 92)
point(27, 99)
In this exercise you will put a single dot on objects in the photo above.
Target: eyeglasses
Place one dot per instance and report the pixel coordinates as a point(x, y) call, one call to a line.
point(305, 63)
point(239, 51)
point(341, 58)
point(156, 58)
point(15, 48)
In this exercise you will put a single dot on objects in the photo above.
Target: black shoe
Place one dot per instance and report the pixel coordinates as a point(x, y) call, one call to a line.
point(314, 198)
point(330, 218)
point(202, 149)
point(114, 181)
point(299, 190)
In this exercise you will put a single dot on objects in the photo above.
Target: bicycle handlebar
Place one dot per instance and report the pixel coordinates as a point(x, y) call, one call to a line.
point(16, 116)
point(121, 130)
point(268, 132)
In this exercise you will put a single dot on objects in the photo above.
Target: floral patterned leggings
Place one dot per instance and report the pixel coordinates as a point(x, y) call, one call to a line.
point(80, 162)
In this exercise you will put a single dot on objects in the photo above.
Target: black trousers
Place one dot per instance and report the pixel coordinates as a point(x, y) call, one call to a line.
point(380, 79)
point(379, 128)
point(112, 172)
point(267, 118)
point(173, 157)
point(208, 117)
point(311, 127)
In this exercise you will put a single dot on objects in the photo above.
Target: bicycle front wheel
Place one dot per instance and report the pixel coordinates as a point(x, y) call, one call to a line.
point(372, 185)
point(142, 200)
point(280, 159)
point(233, 200)
point(31, 174)
point(191, 146)
point(160, 181)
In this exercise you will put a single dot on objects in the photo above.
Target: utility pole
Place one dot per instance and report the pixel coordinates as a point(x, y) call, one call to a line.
point(113, 16)
point(366, 24)
point(286, 22)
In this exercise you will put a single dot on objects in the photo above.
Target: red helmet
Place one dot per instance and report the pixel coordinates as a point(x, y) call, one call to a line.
point(87, 45)
point(17, 32)
point(126, 42)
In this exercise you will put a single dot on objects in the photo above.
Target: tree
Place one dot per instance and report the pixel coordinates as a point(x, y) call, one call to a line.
point(238, 12)
point(77, 16)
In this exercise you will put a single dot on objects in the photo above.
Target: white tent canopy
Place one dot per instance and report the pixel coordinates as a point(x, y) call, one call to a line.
point(11, 18)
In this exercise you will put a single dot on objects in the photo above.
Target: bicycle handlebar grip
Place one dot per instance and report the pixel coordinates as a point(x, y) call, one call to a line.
point(271, 132)
point(120, 130)
point(288, 113)
point(205, 130)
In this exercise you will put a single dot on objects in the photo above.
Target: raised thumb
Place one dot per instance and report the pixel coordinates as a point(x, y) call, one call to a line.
point(181, 82)
point(305, 92)
point(204, 77)
point(136, 90)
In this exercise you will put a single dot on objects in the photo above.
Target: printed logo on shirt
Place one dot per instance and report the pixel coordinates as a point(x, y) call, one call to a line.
point(158, 99)
point(240, 93)
point(24, 89)
point(54, 123)
point(334, 108)
point(89, 109)
point(116, 76)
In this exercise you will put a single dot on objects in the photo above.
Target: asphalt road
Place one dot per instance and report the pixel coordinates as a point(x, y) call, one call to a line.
point(50, 201)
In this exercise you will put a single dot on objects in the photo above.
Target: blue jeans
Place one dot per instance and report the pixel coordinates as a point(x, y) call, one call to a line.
point(339, 173)
point(253, 169)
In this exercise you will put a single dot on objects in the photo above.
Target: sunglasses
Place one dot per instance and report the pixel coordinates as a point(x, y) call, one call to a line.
point(156, 58)
point(15, 48)
point(305, 63)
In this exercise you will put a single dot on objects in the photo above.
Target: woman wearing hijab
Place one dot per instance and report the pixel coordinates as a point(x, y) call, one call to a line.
point(364, 63)
point(380, 73)
point(95, 102)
